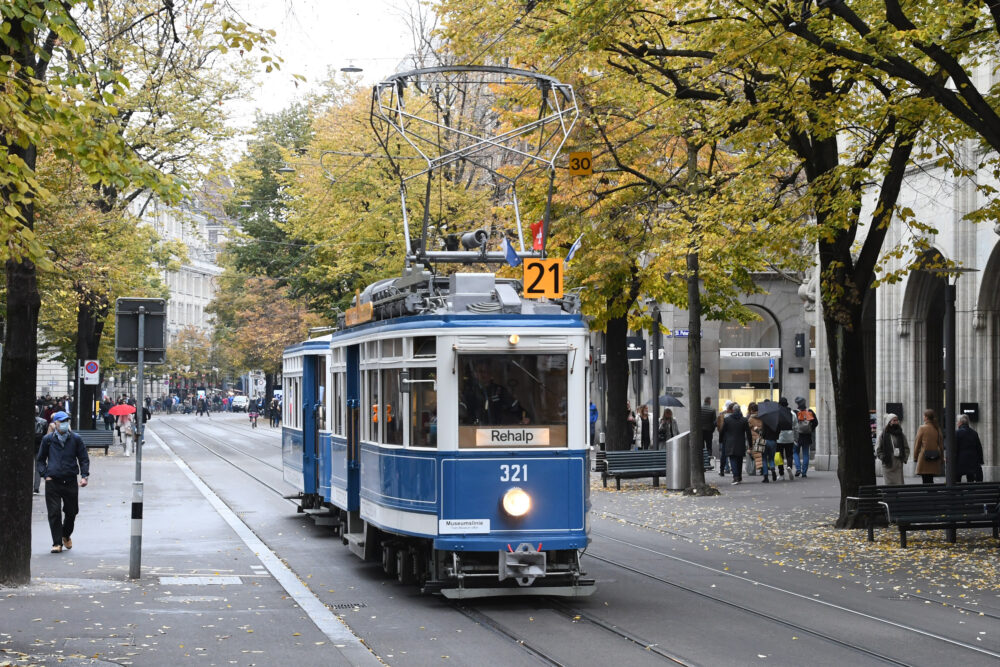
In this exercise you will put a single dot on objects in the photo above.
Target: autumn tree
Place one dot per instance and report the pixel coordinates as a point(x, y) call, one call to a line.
point(256, 320)
point(666, 189)
point(57, 101)
point(755, 89)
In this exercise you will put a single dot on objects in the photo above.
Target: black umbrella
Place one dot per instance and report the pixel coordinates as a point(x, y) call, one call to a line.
point(669, 401)
point(774, 416)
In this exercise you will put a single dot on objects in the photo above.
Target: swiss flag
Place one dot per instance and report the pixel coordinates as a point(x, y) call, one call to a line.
point(536, 234)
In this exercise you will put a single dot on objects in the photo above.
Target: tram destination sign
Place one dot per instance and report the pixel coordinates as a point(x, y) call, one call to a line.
point(512, 437)
point(127, 342)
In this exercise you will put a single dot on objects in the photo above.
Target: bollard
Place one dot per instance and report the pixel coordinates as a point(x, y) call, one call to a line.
point(135, 550)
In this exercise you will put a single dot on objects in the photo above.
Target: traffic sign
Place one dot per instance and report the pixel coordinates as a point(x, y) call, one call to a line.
point(770, 370)
point(127, 330)
point(543, 278)
point(581, 163)
point(91, 371)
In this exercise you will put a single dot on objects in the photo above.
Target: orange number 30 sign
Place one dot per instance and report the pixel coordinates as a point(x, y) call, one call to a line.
point(543, 278)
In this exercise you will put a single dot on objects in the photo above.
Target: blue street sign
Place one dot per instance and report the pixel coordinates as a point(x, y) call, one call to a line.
point(770, 370)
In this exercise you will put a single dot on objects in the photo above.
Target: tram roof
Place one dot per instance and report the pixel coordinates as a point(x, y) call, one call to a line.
point(319, 343)
point(462, 321)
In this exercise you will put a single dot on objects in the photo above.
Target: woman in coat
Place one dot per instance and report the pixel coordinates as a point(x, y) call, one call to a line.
point(892, 451)
point(928, 449)
point(667, 428)
point(756, 432)
point(969, 451)
point(734, 435)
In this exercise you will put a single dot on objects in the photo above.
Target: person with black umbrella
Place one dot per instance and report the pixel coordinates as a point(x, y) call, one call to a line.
point(786, 443)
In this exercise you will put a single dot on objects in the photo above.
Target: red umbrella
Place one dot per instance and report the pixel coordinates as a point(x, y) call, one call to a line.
point(121, 409)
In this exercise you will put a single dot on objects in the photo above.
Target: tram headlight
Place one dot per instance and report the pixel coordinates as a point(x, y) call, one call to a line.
point(516, 502)
point(513, 339)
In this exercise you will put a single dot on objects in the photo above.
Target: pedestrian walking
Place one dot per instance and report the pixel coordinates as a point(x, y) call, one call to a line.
point(706, 422)
point(60, 459)
point(735, 437)
point(126, 426)
point(928, 449)
point(723, 454)
point(41, 426)
point(629, 423)
point(770, 448)
point(755, 457)
point(667, 428)
point(593, 423)
point(786, 444)
point(805, 426)
point(892, 451)
point(969, 451)
point(645, 428)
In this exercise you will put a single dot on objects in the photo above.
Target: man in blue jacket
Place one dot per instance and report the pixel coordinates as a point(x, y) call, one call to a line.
point(61, 458)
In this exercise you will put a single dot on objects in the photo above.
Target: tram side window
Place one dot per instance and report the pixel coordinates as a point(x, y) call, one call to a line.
point(424, 346)
point(374, 409)
point(321, 394)
point(392, 416)
point(338, 403)
point(423, 408)
point(292, 407)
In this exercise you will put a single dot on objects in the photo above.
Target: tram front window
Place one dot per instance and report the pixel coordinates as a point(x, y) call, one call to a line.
point(522, 394)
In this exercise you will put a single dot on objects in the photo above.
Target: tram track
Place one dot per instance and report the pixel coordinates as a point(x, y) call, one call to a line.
point(771, 617)
point(230, 461)
point(614, 629)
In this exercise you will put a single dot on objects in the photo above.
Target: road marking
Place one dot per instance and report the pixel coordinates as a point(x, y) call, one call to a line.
point(344, 640)
point(200, 581)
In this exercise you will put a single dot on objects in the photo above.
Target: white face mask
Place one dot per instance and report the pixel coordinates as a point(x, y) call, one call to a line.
point(63, 427)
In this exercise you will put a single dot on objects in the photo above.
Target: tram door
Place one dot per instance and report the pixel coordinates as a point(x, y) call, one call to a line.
point(307, 414)
point(352, 425)
point(319, 422)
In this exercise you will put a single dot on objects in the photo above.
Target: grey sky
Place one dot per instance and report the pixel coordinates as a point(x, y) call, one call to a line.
point(314, 35)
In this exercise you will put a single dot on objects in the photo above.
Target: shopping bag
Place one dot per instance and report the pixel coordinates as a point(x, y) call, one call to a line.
point(779, 460)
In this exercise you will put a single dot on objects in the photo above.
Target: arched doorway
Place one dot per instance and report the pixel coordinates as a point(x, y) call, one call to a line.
point(923, 307)
point(746, 354)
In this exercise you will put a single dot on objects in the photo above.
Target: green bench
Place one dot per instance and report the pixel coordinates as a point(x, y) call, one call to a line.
point(97, 439)
point(647, 463)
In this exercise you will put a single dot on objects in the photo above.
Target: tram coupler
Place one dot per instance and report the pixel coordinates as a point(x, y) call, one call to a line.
point(523, 564)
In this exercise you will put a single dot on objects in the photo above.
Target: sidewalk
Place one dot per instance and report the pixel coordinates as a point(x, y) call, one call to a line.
point(203, 592)
point(791, 524)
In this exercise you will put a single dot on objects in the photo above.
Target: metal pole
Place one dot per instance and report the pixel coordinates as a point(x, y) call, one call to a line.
point(948, 421)
point(135, 550)
point(657, 366)
point(78, 392)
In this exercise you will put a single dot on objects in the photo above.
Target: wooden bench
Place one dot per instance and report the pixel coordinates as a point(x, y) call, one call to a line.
point(937, 507)
point(600, 462)
point(647, 463)
point(868, 508)
point(97, 439)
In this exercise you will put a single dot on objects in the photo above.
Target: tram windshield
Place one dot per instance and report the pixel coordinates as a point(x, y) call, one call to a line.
point(512, 400)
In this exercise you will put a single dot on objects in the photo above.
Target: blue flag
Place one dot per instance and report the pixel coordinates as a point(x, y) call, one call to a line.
point(510, 254)
point(573, 248)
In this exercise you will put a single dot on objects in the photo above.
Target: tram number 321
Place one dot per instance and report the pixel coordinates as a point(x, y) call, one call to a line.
point(514, 473)
point(543, 278)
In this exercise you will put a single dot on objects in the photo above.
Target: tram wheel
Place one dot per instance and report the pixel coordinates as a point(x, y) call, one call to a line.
point(389, 562)
point(405, 567)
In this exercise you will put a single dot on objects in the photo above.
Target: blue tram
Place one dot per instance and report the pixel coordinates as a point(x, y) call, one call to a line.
point(443, 430)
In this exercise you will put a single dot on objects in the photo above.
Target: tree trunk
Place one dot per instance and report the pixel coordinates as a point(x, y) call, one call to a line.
point(617, 372)
point(856, 460)
point(697, 487)
point(17, 432)
point(90, 318)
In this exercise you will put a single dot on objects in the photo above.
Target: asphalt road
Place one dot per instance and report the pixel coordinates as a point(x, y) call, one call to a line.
point(756, 576)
